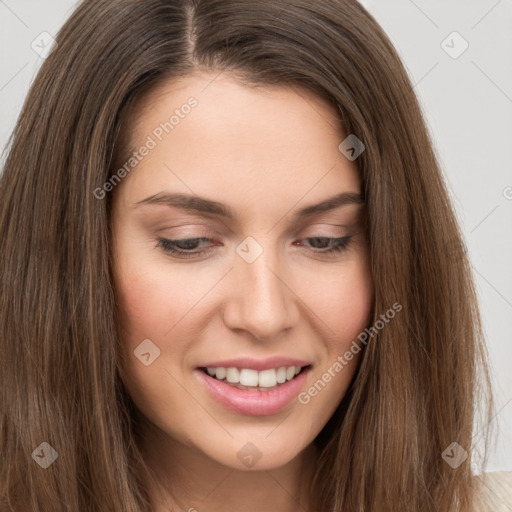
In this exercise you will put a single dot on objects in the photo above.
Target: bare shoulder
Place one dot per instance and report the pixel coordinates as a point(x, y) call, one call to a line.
point(494, 491)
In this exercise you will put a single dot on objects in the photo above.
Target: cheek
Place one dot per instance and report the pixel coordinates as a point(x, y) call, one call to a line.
point(343, 300)
point(354, 305)
point(150, 303)
point(140, 300)
point(155, 303)
point(151, 299)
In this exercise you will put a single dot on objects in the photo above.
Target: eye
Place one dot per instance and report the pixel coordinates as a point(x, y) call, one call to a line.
point(187, 247)
point(183, 248)
point(336, 245)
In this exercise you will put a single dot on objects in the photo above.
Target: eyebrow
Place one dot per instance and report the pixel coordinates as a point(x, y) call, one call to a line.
point(203, 205)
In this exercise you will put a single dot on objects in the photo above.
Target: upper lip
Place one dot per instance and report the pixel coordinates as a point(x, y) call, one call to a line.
point(256, 364)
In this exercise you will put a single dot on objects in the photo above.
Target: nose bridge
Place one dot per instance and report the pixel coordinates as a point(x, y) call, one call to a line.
point(262, 303)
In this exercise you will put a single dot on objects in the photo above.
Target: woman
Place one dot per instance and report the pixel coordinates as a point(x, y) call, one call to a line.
point(231, 274)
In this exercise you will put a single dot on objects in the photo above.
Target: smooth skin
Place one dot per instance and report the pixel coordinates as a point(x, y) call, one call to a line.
point(265, 152)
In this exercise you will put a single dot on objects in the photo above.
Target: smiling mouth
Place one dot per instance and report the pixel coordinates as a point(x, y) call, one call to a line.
point(252, 380)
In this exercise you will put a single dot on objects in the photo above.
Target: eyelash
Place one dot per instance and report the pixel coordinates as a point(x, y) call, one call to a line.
point(340, 244)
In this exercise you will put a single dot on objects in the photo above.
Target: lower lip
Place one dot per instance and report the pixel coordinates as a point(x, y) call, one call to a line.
point(253, 403)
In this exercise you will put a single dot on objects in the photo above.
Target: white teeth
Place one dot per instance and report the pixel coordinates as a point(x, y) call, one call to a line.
point(248, 377)
point(267, 378)
point(290, 372)
point(281, 375)
point(232, 375)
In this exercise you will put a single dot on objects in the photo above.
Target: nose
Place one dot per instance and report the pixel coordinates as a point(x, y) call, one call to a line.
point(262, 300)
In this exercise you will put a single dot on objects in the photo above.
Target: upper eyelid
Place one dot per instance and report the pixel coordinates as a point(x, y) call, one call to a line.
point(300, 227)
point(356, 208)
point(212, 237)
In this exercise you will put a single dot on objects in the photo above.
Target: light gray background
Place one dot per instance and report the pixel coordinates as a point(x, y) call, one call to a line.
point(468, 105)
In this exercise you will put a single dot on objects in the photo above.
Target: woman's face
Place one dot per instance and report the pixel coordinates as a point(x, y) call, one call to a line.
point(256, 292)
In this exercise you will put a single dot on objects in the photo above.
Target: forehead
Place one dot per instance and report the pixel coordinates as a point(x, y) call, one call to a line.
point(256, 143)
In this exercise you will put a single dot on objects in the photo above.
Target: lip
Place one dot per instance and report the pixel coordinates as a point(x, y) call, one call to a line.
point(256, 364)
point(253, 403)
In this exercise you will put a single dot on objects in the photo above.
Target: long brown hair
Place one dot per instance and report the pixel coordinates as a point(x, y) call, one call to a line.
point(420, 379)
